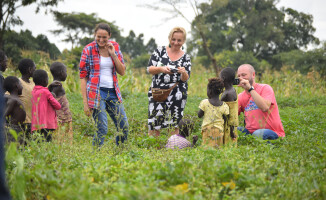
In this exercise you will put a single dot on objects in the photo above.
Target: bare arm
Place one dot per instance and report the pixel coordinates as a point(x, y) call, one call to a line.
point(262, 103)
point(156, 70)
point(200, 113)
point(121, 68)
point(83, 83)
point(9, 107)
point(184, 73)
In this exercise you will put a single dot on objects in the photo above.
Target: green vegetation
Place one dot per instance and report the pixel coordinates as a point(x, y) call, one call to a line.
point(291, 168)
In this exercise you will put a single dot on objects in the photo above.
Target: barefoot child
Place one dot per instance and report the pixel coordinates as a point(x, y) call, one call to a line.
point(44, 118)
point(179, 140)
point(59, 73)
point(14, 113)
point(27, 68)
point(230, 97)
point(214, 112)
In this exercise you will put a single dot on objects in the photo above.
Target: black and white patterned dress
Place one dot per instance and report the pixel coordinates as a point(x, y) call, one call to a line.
point(168, 113)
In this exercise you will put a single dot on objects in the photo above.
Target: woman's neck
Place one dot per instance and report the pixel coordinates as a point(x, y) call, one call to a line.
point(174, 50)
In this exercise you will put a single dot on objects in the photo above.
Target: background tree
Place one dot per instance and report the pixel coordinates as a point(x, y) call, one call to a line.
point(15, 42)
point(134, 45)
point(78, 28)
point(254, 26)
point(8, 9)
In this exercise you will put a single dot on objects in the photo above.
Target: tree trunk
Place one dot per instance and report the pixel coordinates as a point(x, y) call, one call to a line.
point(210, 55)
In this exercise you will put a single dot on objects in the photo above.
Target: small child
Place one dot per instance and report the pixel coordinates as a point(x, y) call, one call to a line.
point(214, 112)
point(179, 140)
point(59, 73)
point(27, 68)
point(44, 105)
point(3, 66)
point(230, 97)
point(15, 113)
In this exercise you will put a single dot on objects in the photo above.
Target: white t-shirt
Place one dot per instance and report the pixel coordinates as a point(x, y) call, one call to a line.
point(106, 67)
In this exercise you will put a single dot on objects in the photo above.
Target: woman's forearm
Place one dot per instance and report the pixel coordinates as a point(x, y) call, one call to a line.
point(121, 69)
point(83, 83)
point(155, 70)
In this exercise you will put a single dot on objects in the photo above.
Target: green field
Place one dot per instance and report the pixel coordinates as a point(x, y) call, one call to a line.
point(291, 168)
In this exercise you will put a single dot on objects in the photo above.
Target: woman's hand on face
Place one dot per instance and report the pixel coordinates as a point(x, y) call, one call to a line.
point(87, 110)
point(166, 70)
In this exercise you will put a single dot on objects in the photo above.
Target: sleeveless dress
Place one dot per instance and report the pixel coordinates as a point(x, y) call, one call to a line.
point(170, 112)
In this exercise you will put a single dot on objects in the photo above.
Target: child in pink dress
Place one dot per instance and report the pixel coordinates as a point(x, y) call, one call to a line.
point(44, 118)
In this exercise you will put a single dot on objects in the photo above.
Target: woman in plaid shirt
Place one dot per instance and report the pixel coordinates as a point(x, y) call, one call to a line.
point(100, 62)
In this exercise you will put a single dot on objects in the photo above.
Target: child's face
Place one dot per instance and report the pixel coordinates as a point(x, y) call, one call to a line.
point(64, 74)
point(46, 81)
point(32, 70)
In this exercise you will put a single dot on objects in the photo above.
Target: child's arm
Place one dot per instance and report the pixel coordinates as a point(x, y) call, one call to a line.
point(194, 140)
point(9, 107)
point(200, 113)
point(55, 104)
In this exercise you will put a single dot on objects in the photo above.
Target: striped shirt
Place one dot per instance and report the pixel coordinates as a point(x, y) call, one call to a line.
point(177, 141)
point(89, 67)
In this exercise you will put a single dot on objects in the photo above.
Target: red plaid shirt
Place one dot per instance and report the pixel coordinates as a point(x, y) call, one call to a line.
point(89, 67)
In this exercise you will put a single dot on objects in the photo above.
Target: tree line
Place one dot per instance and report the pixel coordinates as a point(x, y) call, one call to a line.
point(225, 33)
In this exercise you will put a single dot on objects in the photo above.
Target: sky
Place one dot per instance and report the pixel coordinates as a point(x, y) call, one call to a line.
point(131, 15)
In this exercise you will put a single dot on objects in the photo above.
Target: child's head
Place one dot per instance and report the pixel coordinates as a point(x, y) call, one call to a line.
point(59, 71)
point(3, 61)
point(12, 84)
point(185, 127)
point(215, 87)
point(26, 67)
point(227, 75)
point(40, 77)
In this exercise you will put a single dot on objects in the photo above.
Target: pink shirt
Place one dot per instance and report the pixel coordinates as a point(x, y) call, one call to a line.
point(256, 118)
point(43, 109)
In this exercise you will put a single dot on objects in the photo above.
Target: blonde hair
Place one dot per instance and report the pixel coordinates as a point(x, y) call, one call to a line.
point(178, 30)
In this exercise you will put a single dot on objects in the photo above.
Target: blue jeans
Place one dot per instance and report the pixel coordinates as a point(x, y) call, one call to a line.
point(109, 102)
point(266, 134)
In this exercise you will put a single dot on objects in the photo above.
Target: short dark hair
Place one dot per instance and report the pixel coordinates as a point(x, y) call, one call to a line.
point(9, 83)
point(40, 76)
point(25, 64)
point(185, 127)
point(103, 26)
point(228, 74)
point(56, 68)
point(215, 86)
point(2, 55)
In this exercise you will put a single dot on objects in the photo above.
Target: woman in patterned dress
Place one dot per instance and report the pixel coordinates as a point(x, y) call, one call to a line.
point(169, 65)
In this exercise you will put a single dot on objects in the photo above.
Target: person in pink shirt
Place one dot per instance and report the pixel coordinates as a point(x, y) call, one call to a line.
point(44, 118)
point(258, 103)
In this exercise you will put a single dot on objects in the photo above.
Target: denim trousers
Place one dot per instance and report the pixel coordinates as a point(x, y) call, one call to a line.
point(109, 103)
point(265, 134)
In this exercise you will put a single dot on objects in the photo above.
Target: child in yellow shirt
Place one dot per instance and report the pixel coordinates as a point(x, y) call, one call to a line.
point(214, 112)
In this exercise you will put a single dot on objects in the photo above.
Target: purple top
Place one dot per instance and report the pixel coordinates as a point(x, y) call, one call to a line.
point(177, 141)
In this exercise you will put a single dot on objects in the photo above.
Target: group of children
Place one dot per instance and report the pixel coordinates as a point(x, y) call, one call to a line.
point(219, 112)
point(33, 106)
